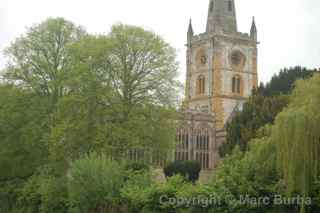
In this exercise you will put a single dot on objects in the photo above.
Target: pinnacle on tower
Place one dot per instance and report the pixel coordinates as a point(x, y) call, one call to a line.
point(253, 31)
point(221, 17)
point(190, 29)
point(190, 32)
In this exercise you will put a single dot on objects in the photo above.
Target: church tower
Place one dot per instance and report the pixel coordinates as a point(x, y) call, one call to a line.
point(221, 64)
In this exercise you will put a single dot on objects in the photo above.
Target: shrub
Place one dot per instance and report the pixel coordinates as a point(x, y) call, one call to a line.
point(136, 190)
point(188, 169)
point(95, 183)
point(136, 167)
point(160, 194)
point(9, 192)
point(44, 193)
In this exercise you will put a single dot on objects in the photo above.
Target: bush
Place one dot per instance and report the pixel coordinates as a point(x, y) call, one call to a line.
point(95, 183)
point(9, 192)
point(136, 167)
point(136, 190)
point(44, 193)
point(160, 194)
point(188, 169)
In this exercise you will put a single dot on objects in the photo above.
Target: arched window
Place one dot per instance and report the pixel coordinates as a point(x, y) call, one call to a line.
point(201, 85)
point(236, 84)
point(182, 148)
point(202, 148)
point(230, 5)
point(233, 84)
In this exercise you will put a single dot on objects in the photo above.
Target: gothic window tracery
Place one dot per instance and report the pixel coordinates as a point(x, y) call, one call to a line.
point(194, 145)
point(183, 143)
point(202, 148)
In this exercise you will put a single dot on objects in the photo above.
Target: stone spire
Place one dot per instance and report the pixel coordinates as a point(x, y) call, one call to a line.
point(222, 16)
point(253, 31)
point(190, 32)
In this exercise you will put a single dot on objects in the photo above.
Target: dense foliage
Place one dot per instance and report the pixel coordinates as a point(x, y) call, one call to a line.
point(188, 169)
point(257, 112)
point(297, 136)
point(278, 173)
point(94, 182)
point(262, 108)
point(284, 81)
point(66, 93)
point(72, 105)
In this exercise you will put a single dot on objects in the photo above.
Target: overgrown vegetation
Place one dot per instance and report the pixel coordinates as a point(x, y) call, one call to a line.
point(66, 93)
point(73, 104)
point(262, 108)
point(190, 170)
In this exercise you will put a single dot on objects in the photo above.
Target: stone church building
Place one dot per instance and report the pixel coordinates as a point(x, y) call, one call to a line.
point(221, 74)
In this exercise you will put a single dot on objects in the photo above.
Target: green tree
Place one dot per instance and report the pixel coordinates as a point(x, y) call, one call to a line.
point(40, 59)
point(116, 104)
point(262, 107)
point(44, 192)
point(143, 68)
point(284, 81)
point(190, 170)
point(296, 134)
point(23, 129)
point(71, 94)
point(23, 126)
point(94, 183)
point(257, 112)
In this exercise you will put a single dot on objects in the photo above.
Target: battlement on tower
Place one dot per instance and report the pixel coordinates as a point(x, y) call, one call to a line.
point(206, 36)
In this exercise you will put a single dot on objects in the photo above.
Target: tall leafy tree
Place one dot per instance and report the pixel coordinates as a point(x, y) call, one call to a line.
point(143, 72)
point(71, 93)
point(122, 95)
point(143, 67)
point(40, 60)
point(23, 129)
point(296, 134)
point(23, 126)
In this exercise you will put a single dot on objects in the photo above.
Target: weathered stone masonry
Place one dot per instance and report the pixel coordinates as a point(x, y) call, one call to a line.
point(222, 62)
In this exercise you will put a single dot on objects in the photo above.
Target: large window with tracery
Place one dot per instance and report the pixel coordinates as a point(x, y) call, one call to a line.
point(202, 148)
point(183, 145)
point(156, 157)
point(194, 145)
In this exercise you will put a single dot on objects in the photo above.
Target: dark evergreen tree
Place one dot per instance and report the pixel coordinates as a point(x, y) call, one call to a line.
point(283, 83)
point(262, 108)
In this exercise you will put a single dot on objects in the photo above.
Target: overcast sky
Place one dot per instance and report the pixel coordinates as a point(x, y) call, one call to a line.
point(289, 30)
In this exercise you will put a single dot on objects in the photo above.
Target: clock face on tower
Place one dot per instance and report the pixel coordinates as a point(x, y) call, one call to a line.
point(237, 59)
